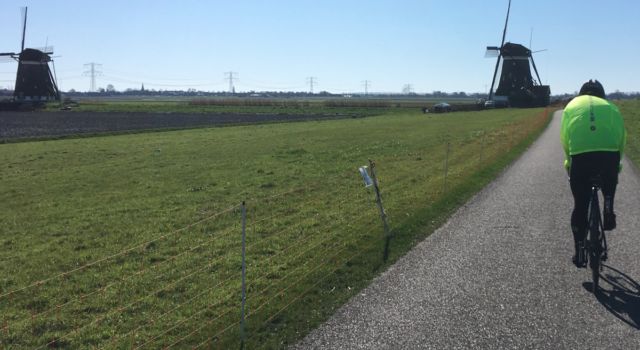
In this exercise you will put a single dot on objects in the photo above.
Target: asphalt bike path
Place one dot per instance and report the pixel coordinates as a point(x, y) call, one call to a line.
point(498, 274)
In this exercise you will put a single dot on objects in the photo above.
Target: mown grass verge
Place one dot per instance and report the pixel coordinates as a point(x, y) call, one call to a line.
point(630, 110)
point(134, 240)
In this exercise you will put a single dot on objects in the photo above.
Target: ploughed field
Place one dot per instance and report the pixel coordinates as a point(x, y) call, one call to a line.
point(21, 125)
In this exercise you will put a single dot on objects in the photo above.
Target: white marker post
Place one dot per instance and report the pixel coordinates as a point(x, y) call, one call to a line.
point(368, 182)
point(446, 167)
point(365, 176)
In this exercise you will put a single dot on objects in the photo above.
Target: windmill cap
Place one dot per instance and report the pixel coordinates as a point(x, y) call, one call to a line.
point(593, 88)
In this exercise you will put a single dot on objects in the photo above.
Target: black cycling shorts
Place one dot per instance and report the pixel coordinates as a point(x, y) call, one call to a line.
point(583, 167)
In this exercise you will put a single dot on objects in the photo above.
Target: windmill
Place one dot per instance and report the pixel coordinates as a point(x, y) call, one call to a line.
point(34, 80)
point(516, 86)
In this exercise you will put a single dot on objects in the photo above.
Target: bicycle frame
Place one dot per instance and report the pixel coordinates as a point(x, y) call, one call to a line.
point(596, 242)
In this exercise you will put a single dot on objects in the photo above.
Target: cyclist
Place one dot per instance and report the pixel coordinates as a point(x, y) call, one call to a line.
point(593, 138)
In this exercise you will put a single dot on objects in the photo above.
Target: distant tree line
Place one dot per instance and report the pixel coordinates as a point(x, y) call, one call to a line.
point(617, 95)
point(110, 91)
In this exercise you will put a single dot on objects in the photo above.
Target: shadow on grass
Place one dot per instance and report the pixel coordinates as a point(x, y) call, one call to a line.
point(622, 299)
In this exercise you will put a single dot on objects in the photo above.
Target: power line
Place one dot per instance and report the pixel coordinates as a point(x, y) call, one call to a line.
point(93, 72)
point(366, 84)
point(231, 76)
point(407, 89)
point(311, 81)
point(147, 77)
point(129, 81)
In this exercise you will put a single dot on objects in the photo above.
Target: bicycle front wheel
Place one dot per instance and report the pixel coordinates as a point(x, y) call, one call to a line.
point(595, 268)
point(595, 248)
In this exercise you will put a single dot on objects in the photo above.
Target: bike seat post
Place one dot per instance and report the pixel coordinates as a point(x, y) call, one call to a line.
point(596, 181)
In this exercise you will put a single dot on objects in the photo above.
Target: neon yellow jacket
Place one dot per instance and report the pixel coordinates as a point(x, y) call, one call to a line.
point(591, 124)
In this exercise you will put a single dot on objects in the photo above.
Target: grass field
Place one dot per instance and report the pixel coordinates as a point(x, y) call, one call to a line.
point(630, 110)
point(133, 241)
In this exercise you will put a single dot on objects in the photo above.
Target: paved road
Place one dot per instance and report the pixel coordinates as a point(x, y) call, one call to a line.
point(498, 275)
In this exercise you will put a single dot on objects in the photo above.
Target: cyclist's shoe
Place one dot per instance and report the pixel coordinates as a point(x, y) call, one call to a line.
point(609, 221)
point(579, 262)
point(608, 214)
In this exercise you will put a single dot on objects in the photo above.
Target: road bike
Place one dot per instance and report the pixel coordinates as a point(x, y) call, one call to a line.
point(594, 245)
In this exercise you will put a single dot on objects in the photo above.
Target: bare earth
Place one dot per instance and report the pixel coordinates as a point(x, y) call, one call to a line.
point(21, 125)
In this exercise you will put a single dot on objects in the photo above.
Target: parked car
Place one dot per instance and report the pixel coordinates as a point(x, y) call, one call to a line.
point(497, 103)
point(441, 107)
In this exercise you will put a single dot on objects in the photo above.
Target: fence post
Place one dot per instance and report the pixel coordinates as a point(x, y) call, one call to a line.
point(383, 214)
point(446, 166)
point(244, 274)
point(483, 142)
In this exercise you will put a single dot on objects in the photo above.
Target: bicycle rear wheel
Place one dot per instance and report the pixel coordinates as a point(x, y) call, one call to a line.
point(595, 248)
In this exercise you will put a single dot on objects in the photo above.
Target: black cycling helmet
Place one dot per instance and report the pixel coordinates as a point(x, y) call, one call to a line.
point(593, 88)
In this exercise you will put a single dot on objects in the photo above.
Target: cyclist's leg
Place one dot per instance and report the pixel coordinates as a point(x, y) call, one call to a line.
point(610, 161)
point(581, 189)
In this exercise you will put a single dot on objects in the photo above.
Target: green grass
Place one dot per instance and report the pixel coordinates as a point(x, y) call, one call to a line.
point(630, 110)
point(314, 234)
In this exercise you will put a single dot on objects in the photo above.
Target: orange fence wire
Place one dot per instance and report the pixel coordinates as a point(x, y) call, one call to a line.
point(123, 252)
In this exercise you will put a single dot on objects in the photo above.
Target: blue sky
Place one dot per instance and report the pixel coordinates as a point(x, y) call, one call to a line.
point(278, 44)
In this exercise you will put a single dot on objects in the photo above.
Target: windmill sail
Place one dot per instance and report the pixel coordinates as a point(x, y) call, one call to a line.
point(24, 27)
point(504, 35)
point(492, 51)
